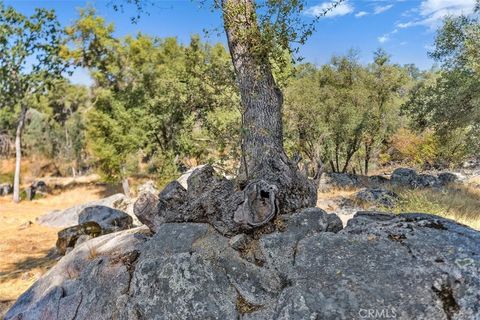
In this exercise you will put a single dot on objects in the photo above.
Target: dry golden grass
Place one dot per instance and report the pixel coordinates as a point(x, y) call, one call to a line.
point(30, 168)
point(24, 248)
point(331, 194)
point(461, 203)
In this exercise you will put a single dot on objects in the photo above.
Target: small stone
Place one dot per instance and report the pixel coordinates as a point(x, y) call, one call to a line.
point(239, 241)
point(5, 189)
point(30, 193)
point(40, 186)
point(25, 225)
point(68, 237)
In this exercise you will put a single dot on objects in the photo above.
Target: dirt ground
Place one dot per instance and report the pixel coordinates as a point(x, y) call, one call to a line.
point(25, 246)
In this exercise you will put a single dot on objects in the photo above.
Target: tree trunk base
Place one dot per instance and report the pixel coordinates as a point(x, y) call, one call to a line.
point(227, 207)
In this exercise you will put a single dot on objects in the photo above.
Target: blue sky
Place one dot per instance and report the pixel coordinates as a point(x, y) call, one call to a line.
point(404, 28)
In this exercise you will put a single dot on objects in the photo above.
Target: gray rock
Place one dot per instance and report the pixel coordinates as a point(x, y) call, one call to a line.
point(69, 217)
point(404, 177)
point(411, 266)
point(378, 196)
point(153, 210)
point(108, 219)
point(40, 186)
point(6, 189)
point(427, 181)
point(183, 180)
point(210, 198)
point(378, 181)
point(447, 178)
point(30, 193)
point(88, 283)
point(341, 180)
point(127, 205)
point(68, 237)
point(201, 180)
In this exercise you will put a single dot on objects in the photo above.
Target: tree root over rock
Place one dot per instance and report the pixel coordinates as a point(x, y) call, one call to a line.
point(225, 205)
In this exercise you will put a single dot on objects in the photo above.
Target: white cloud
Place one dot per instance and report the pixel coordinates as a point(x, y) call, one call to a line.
point(380, 9)
point(406, 24)
point(384, 38)
point(403, 43)
point(361, 14)
point(432, 12)
point(342, 9)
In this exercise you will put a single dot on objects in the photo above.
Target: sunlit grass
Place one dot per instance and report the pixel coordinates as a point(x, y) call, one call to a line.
point(461, 203)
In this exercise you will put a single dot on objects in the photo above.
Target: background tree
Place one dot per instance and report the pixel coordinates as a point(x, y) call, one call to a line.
point(177, 96)
point(55, 129)
point(450, 102)
point(343, 112)
point(386, 87)
point(30, 59)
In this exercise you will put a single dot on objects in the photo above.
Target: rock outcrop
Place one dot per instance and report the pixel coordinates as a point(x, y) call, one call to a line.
point(304, 266)
point(69, 217)
point(378, 196)
point(340, 180)
point(405, 177)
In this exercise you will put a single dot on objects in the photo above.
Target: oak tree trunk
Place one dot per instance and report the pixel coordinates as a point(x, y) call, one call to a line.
point(271, 182)
point(18, 154)
point(268, 183)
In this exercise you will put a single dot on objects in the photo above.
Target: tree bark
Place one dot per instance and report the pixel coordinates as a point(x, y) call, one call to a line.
point(261, 99)
point(126, 187)
point(18, 154)
point(367, 156)
point(271, 182)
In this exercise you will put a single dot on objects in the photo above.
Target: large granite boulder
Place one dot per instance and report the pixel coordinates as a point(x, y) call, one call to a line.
point(409, 266)
point(69, 217)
